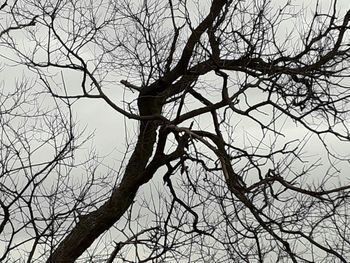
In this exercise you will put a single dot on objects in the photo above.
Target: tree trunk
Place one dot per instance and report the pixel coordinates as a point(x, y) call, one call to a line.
point(92, 225)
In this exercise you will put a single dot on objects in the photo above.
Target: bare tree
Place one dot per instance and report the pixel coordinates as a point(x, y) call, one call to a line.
point(197, 76)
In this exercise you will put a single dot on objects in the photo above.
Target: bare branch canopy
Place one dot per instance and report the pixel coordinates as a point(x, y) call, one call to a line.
point(236, 131)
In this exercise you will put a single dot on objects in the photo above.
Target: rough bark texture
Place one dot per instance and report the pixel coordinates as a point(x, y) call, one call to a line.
point(94, 224)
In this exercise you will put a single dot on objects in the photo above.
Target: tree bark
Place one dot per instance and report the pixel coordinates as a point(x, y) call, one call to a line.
point(92, 225)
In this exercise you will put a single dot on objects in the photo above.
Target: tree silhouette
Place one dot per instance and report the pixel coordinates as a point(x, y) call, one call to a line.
point(199, 77)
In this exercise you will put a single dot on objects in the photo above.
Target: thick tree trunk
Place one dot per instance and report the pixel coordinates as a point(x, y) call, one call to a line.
point(94, 224)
